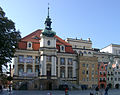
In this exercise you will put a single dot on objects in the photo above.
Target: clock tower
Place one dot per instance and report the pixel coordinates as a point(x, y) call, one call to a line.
point(48, 51)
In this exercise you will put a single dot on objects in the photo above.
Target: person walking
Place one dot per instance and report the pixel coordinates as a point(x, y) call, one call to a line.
point(97, 90)
point(0, 88)
point(106, 90)
point(66, 91)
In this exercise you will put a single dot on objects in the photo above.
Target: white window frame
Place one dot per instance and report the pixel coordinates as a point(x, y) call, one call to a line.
point(28, 45)
point(61, 48)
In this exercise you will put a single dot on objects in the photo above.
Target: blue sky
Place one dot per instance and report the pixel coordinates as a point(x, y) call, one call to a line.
point(95, 19)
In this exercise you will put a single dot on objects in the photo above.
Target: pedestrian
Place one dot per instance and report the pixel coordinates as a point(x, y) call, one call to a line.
point(97, 90)
point(49, 93)
point(91, 93)
point(0, 88)
point(106, 90)
point(10, 88)
point(66, 91)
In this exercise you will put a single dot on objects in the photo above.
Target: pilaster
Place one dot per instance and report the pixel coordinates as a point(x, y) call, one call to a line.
point(25, 66)
point(58, 66)
point(53, 73)
point(43, 65)
point(33, 65)
point(66, 67)
point(16, 65)
point(74, 69)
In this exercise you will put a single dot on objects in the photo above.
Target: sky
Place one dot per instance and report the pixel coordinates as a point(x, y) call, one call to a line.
point(98, 20)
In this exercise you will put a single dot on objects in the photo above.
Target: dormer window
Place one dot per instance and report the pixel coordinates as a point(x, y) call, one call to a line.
point(29, 45)
point(62, 48)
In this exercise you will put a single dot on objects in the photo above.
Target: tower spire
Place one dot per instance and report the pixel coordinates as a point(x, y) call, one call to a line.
point(48, 21)
point(48, 10)
point(48, 30)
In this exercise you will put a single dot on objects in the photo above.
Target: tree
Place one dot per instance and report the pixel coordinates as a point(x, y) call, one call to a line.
point(9, 38)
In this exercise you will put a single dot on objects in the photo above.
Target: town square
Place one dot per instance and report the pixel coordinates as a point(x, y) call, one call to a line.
point(59, 47)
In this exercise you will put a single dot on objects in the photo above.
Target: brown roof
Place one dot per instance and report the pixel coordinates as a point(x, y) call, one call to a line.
point(34, 37)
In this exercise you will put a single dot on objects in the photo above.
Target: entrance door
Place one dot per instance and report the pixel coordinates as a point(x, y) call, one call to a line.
point(48, 71)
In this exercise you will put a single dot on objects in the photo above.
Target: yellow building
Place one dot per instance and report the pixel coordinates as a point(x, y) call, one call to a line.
point(88, 71)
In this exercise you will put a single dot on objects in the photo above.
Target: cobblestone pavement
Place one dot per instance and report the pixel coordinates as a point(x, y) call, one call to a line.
point(55, 92)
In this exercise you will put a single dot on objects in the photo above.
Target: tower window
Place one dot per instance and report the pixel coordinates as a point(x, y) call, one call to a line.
point(48, 42)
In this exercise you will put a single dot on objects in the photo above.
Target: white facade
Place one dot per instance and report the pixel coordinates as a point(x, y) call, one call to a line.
point(113, 48)
point(79, 43)
point(117, 73)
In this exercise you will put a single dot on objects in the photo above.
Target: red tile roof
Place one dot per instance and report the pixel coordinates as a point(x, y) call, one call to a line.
point(34, 37)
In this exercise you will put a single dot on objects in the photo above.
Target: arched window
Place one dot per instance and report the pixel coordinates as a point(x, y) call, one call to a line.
point(89, 52)
point(80, 52)
point(48, 42)
point(85, 52)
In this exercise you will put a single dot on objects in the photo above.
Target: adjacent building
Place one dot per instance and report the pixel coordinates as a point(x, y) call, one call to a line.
point(102, 75)
point(88, 72)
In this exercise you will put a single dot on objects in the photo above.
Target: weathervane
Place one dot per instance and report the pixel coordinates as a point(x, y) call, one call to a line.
point(48, 10)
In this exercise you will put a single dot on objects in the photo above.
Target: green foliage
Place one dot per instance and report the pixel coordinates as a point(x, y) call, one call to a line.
point(9, 78)
point(9, 38)
point(3, 79)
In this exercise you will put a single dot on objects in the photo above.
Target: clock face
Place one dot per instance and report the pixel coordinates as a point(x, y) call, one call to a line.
point(48, 42)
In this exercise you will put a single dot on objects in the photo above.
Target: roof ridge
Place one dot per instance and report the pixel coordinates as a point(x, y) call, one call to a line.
point(62, 41)
point(31, 34)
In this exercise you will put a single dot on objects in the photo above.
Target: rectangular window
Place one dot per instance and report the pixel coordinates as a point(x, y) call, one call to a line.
point(100, 73)
point(87, 65)
point(29, 70)
point(69, 72)
point(87, 79)
point(83, 64)
point(29, 59)
point(93, 65)
point(118, 79)
point(83, 72)
point(37, 59)
point(69, 61)
point(21, 59)
point(115, 79)
point(62, 61)
point(96, 72)
point(100, 79)
point(92, 72)
point(92, 78)
point(48, 58)
point(83, 79)
point(87, 72)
